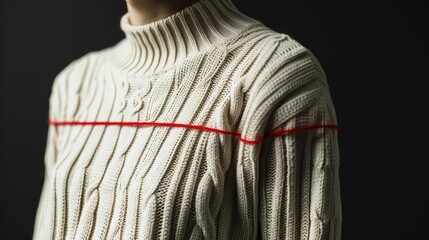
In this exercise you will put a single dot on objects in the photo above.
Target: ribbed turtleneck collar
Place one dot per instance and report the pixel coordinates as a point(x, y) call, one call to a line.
point(150, 48)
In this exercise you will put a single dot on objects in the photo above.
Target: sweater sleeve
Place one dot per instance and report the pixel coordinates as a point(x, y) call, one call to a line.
point(299, 196)
point(63, 87)
point(51, 150)
point(52, 141)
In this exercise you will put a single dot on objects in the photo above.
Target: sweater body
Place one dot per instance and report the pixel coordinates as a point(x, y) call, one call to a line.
point(201, 166)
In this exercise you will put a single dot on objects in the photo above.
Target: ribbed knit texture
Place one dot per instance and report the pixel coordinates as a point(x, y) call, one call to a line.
point(208, 65)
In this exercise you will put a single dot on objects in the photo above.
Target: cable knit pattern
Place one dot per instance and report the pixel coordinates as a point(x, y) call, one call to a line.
point(207, 65)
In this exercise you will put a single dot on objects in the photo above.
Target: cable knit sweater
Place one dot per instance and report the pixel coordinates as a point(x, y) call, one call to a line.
point(203, 125)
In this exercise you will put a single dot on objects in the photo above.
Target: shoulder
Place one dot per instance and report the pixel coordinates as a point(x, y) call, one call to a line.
point(267, 56)
point(68, 82)
point(287, 66)
point(286, 77)
point(74, 70)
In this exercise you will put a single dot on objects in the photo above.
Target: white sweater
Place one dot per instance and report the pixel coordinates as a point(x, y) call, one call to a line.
point(203, 125)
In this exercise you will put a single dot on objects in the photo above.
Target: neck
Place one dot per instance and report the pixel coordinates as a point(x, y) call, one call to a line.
point(158, 41)
point(142, 12)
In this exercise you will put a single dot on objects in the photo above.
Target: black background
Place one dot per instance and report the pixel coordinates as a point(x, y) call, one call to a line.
point(374, 55)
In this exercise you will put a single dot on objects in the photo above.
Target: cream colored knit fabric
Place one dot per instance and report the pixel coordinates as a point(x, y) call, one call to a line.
point(207, 65)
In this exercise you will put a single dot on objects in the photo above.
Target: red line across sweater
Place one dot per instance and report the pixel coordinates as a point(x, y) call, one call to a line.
point(199, 127)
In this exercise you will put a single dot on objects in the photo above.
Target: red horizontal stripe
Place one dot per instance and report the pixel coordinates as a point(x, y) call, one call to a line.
point(199, 127)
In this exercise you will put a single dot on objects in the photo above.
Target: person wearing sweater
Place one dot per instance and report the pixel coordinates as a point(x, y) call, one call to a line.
point(201, 123)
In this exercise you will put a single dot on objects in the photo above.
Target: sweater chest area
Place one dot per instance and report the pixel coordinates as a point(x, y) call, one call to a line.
point(144, 147)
